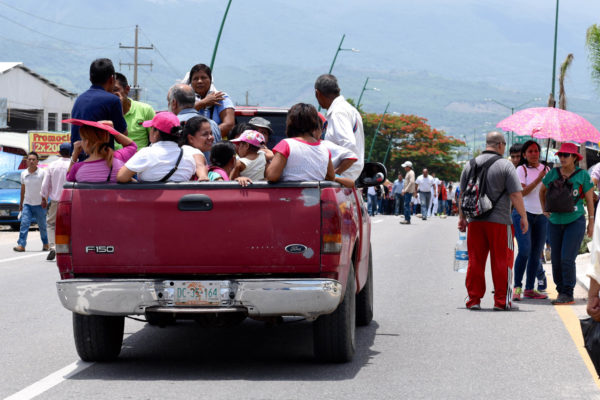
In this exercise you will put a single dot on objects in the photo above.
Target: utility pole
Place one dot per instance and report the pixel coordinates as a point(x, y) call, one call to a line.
point(136, 47)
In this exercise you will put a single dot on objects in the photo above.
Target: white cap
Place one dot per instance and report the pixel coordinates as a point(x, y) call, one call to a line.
point(407, 164)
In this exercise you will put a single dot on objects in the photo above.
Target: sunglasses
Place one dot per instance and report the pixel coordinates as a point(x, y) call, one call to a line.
point(564, 154)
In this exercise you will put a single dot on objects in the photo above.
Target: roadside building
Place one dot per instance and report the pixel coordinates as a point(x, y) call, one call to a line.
point(28, 101)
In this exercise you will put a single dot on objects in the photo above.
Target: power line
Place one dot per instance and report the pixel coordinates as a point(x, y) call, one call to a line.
point(173, 69)
point(62, 23)
point(51, 37)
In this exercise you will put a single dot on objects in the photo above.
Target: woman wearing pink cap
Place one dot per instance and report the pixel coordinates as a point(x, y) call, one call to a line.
point(164, 160)
point(567, 226)
point(102, 163)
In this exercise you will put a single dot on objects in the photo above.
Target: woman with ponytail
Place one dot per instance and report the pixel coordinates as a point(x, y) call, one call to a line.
point(103, 163)
point(164, 160)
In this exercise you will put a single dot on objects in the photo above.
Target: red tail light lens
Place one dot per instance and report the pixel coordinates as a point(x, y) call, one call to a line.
point(63, 224)
point(331, 223)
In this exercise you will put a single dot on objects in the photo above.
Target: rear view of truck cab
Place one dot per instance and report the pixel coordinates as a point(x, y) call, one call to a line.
point(214, 251)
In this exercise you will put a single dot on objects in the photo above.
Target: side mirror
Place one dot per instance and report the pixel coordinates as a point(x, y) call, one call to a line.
point(373, 174)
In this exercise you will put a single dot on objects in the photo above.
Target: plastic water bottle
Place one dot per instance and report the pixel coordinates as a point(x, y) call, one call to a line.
point(461, 255)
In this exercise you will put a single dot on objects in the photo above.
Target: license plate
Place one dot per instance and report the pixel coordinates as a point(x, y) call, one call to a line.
point(195, 293)
point(4, 213)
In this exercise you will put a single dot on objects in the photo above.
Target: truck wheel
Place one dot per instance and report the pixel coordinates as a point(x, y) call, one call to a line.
point(364, 299)
point(333, 334)
point(98, 337)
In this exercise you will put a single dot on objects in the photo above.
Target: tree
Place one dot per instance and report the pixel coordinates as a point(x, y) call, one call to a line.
point(409, 137)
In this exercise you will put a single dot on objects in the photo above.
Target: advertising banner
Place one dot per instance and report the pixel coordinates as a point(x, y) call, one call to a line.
point(47, 143)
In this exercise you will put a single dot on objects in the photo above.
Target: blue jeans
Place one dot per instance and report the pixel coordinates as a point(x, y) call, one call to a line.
point(530, 245)
point(407, 206)
point(398, 204)
point(448, 207)
point(27, 215)
point(372, 204)
point(425, 198)
point(565, 241)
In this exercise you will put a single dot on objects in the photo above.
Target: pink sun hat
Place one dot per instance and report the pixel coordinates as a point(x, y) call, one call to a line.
point(254, 138)
point(99, 125)
point(163, 121)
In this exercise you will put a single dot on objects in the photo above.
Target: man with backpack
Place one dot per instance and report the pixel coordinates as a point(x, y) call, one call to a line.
point(488, 185)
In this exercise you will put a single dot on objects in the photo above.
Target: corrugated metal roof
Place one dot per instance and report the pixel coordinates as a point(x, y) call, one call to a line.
point(7, 66)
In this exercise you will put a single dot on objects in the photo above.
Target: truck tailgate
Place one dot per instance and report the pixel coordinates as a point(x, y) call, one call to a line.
point(194, 228)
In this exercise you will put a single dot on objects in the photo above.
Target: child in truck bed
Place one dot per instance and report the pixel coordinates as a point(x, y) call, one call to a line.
point(222, 160)
point(103, 163)
point(251, 162)
point(301, 157)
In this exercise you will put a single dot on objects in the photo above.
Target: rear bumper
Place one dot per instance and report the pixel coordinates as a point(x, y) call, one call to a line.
point(258, 297)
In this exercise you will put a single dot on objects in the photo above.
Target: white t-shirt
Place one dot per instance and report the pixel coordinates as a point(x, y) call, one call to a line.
point(345, 128)
point(152, 163)
point(425, 183)
point(305, 161)
point(33, 186)
point(526, 176)
point(338, 153)
point(255, 169)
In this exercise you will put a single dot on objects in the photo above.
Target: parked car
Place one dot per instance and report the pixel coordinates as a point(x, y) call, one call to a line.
point(10, 196)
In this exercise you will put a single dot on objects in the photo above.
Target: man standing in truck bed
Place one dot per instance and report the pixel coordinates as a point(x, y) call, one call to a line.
point(344, 125)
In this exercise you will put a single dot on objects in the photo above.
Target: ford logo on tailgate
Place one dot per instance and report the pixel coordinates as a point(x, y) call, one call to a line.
point(295, 248)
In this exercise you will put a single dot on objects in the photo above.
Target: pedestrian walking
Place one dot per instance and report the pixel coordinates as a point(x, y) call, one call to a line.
point(515, 154)
point(425, 184)
point(398, 196)
point(31, 203)
point(435, 192)
point(567, 227)
point(492, 234)
point(408, 191)
point(52, 187)
point(530, 172)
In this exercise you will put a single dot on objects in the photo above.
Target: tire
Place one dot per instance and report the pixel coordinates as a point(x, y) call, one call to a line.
point(334, 334)
point(98, 337)
point(364, 299)
point(15, 227)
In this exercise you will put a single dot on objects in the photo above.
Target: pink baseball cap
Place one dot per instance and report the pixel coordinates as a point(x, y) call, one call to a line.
point(99, 125)
point(254, 138)
point(163, 121)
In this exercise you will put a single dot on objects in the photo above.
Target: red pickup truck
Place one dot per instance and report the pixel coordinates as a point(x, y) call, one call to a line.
point(215, 252)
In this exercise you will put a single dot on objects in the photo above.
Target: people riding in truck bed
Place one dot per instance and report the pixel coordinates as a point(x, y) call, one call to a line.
point(301, 157)
point(223, 159)
point(198, 140)
point(251, 161)
point(103, 163)
point(212, 103)
point(164, 160)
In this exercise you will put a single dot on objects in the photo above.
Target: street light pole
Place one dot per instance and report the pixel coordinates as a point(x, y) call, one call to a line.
point(363, 90)
point(554, 59)
point(336, 54)
point(376, 132)
point(512, 109)
point(214, 55)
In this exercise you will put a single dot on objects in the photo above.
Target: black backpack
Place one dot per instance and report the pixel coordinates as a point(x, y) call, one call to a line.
point(559, 195)
point(475, 202)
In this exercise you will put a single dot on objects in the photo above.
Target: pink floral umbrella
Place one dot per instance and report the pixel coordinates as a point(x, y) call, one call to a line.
point(551, 123)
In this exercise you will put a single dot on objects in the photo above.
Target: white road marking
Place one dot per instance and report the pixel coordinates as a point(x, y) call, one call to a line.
point(377, 221)
point(50, 381)
point(21, 257)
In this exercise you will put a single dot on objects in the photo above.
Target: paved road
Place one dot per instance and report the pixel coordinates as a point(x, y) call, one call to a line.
point(422, 343)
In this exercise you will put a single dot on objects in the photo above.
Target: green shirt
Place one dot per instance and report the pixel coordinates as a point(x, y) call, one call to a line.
point(582, 182)
point(138, 113)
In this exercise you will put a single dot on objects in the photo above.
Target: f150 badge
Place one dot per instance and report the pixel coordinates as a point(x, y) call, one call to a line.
point(100, 249)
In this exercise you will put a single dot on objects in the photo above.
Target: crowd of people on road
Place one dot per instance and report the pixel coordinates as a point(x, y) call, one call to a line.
point(118, 139)
point(522, 200)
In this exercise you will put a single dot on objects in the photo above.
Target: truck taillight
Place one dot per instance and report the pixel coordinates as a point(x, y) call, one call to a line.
point(63, 227)
point(331, 223)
